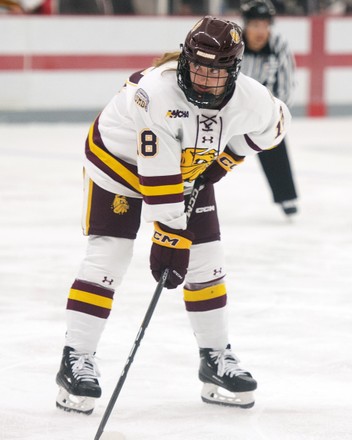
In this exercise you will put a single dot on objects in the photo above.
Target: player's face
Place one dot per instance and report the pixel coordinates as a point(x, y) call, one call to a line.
point(208, 79)
point(257, 34)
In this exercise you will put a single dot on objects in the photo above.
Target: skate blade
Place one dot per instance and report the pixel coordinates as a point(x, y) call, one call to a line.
point(72, 403)
point(219, 396)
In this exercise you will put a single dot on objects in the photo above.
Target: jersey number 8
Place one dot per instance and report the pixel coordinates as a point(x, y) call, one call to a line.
point(148, 143)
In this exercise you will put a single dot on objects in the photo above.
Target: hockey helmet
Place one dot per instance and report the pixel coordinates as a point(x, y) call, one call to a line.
point(258, 10)
point(214, 44)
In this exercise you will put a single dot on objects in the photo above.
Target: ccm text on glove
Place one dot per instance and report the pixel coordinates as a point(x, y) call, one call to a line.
point(170, 249)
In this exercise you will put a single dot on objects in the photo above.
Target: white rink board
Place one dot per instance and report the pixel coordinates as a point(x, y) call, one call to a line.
point(337, 89)
point(61, 90)
point(339, 35)
point(135, 36)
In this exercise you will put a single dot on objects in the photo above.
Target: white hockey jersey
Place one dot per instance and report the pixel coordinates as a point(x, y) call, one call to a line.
point(150, 142)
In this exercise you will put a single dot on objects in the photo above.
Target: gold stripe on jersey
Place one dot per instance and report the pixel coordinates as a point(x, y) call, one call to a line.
point(162, 189)
point(90, 298)
point(89, 205)
point(205, 294)
point(113, 163)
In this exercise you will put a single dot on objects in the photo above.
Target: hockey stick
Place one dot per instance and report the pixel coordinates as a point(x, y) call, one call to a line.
point(189, 209)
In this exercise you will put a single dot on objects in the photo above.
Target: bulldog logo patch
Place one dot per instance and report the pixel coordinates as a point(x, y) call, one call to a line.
point(120, 205)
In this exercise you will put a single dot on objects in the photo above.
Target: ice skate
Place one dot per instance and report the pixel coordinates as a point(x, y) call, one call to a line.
point(289, 207)
point(225, 383)
point(77, 379)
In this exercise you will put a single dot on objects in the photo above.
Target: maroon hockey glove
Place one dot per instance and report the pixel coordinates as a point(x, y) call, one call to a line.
point(222, 165)
point(170, 249)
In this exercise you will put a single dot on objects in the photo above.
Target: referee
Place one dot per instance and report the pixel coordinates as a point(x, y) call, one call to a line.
point(268, 59)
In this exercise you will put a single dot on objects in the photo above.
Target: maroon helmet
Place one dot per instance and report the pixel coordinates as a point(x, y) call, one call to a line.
point(216, 44)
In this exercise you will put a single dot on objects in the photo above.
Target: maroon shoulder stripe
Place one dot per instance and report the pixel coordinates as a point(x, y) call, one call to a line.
point(136, 77)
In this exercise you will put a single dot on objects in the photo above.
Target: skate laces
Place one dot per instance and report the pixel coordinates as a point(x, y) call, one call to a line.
point(227, 363)
point(84, 367)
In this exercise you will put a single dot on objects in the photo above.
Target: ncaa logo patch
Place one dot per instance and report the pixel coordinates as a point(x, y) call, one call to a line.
point(141, 98)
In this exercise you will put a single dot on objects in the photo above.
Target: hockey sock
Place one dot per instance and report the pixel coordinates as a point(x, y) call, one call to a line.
point(207, 311)
point(88, 307)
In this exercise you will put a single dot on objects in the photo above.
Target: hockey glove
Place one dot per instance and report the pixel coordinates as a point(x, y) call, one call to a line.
point(222, 165)
point(170, 249)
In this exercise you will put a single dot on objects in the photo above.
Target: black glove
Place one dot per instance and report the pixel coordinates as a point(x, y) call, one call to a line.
point(170, 249)
point(222, 165)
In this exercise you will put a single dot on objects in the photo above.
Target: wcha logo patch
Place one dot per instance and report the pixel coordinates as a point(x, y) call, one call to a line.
point(177, 114)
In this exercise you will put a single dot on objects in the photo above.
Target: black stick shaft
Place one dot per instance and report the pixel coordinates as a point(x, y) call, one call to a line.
point(145, 323)
point(140, 334)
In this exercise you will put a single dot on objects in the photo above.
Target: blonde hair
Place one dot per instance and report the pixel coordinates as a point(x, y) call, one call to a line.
point(168, 56)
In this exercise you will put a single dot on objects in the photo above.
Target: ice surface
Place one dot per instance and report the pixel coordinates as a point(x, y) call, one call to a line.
point(290, 295)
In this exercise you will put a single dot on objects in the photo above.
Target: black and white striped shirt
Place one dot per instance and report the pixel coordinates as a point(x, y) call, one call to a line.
point(273, 66)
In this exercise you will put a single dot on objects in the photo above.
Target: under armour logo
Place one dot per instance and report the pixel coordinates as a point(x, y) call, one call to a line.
point(105, 280)
point(217, 271)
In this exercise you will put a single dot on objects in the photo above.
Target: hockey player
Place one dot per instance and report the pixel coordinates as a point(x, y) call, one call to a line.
point(268, 59)
point(191, 114)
